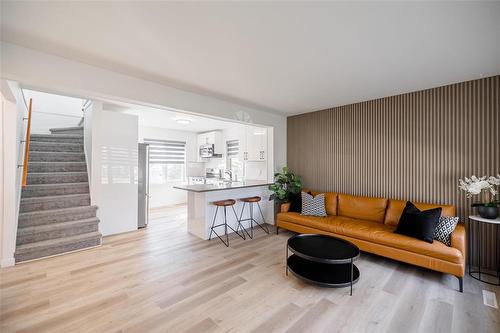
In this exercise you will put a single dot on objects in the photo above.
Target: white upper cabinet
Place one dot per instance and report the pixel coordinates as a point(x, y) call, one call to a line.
point(256, 144)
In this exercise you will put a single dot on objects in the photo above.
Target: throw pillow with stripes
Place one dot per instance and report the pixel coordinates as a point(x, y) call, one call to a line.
point(313, 206)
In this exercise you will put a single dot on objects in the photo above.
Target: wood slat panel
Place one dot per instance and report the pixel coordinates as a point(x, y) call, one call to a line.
point(413, 146)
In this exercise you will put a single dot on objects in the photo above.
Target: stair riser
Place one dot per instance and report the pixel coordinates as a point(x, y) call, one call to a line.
point(55, 138)
point(55, 157)
point(50, 251)
point(61, 131)
point(49, 217)
point(57, 167)
point(56, 178)
point(60, 189)
point(53, 204)
point(36, 146)
point(53, 234)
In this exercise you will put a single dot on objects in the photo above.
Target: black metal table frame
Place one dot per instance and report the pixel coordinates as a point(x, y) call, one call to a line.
point(473, 236)
point(324, 261)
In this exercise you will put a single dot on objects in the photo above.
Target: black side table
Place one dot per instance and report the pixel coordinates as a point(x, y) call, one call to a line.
point(475, 238)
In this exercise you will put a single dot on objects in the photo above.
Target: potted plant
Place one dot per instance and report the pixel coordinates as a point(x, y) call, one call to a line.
point(484, 186)
point(286, 184)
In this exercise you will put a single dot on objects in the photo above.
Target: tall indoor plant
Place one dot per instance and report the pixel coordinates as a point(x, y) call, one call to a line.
point(286, 184)
point(487, 187)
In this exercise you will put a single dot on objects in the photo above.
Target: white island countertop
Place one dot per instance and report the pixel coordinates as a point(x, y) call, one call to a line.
point(201, 212)
point(222, 186)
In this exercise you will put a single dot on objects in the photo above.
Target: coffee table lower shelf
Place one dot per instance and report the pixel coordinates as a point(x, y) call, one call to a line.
point(326, 275)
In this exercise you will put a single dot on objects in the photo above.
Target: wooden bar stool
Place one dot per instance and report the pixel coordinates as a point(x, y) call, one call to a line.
point(225, 203)
point(250, 201)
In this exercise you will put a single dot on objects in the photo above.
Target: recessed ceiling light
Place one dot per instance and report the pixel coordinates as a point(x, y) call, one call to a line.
point(183, 121)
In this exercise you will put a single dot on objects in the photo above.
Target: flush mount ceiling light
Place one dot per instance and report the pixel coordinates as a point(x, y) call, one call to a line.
point(183, 121)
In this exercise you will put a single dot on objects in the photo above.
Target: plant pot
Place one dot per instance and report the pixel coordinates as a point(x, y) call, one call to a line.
point(488, 212)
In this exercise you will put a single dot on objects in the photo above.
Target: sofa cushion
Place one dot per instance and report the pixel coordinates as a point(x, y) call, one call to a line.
point(364, 208)
point(330, 202)
point(417, 223)
point(295, 200)
point(384, 234)
point(313, 205)
point(317, 222)
point(395, 209)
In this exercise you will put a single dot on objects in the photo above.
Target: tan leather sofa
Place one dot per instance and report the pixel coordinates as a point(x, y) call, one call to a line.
point(370, 223)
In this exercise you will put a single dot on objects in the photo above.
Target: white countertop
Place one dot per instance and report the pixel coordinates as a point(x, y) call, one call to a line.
point(224, 186)
point(482, 219)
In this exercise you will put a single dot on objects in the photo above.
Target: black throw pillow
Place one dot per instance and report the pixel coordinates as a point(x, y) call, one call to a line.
point(296, 202)
point(418, 224)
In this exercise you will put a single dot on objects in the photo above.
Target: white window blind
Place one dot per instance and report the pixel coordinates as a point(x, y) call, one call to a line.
point(233, 147)
point(166, 151)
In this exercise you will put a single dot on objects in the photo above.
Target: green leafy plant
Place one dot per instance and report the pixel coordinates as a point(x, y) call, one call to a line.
point(285, 184)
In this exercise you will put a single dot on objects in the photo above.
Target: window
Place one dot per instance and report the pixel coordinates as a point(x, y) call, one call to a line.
point(233, 158)
point(167, 161)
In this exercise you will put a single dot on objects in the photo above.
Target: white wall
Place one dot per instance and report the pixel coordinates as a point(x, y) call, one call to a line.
point(114, 169)
point(57, 74)
point(53, 111)
point(165, 194)
point(11, 125)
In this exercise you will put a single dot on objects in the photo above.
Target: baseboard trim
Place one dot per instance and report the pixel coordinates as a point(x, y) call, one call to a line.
point(7, 262)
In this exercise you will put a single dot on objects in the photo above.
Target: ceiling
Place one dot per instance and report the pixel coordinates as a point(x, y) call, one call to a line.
point(167, 119)
point(281, 57)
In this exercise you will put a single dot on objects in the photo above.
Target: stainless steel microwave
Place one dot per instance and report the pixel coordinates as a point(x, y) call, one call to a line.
point(206, 150)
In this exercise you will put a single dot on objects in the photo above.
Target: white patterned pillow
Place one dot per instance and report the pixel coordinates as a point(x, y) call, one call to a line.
point(313, 206)
point(444, 229)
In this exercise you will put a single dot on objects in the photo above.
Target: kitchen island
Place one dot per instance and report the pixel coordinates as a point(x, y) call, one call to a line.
point(201, 211)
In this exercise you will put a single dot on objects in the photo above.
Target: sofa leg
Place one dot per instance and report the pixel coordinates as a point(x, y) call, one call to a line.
point(461, 283)
point(277, 229)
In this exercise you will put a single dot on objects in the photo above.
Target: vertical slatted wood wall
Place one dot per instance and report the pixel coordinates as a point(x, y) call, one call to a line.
point(413, 146)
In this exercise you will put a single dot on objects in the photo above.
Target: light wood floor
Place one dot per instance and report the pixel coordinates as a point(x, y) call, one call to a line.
point(162, 279)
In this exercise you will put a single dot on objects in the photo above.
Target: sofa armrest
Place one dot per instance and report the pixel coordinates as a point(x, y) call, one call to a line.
point(458, 238)
point(285, 207)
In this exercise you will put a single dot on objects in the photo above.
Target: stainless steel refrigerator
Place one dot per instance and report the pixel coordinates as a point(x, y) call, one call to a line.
point(143, 186)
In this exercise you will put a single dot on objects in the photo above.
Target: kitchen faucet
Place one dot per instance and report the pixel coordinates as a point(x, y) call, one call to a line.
point(230, 173)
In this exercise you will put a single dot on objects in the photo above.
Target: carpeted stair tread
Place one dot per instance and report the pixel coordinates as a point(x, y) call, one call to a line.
point(57, 177)
point(62, 129)
point(57, 167)
point(56, 246)
point(60, 156)
point(49, 242)
point(67, 130)
point(56, 230)
point(56, 146)
point(54, 202)
point(57, 138)
point(42, 190)
point(56, 215)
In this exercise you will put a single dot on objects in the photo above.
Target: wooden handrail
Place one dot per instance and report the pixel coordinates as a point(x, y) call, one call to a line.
point(27, 145)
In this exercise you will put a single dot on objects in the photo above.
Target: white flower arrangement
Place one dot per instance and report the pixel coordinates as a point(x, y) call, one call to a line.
point(474, 185)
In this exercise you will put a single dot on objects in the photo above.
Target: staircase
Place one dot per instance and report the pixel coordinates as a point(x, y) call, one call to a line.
point(55, 215)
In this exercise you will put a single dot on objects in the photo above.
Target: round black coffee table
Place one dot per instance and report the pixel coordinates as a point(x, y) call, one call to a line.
point(323, 260)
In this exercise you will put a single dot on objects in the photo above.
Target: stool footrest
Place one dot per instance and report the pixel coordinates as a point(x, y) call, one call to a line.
point(225, 225)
